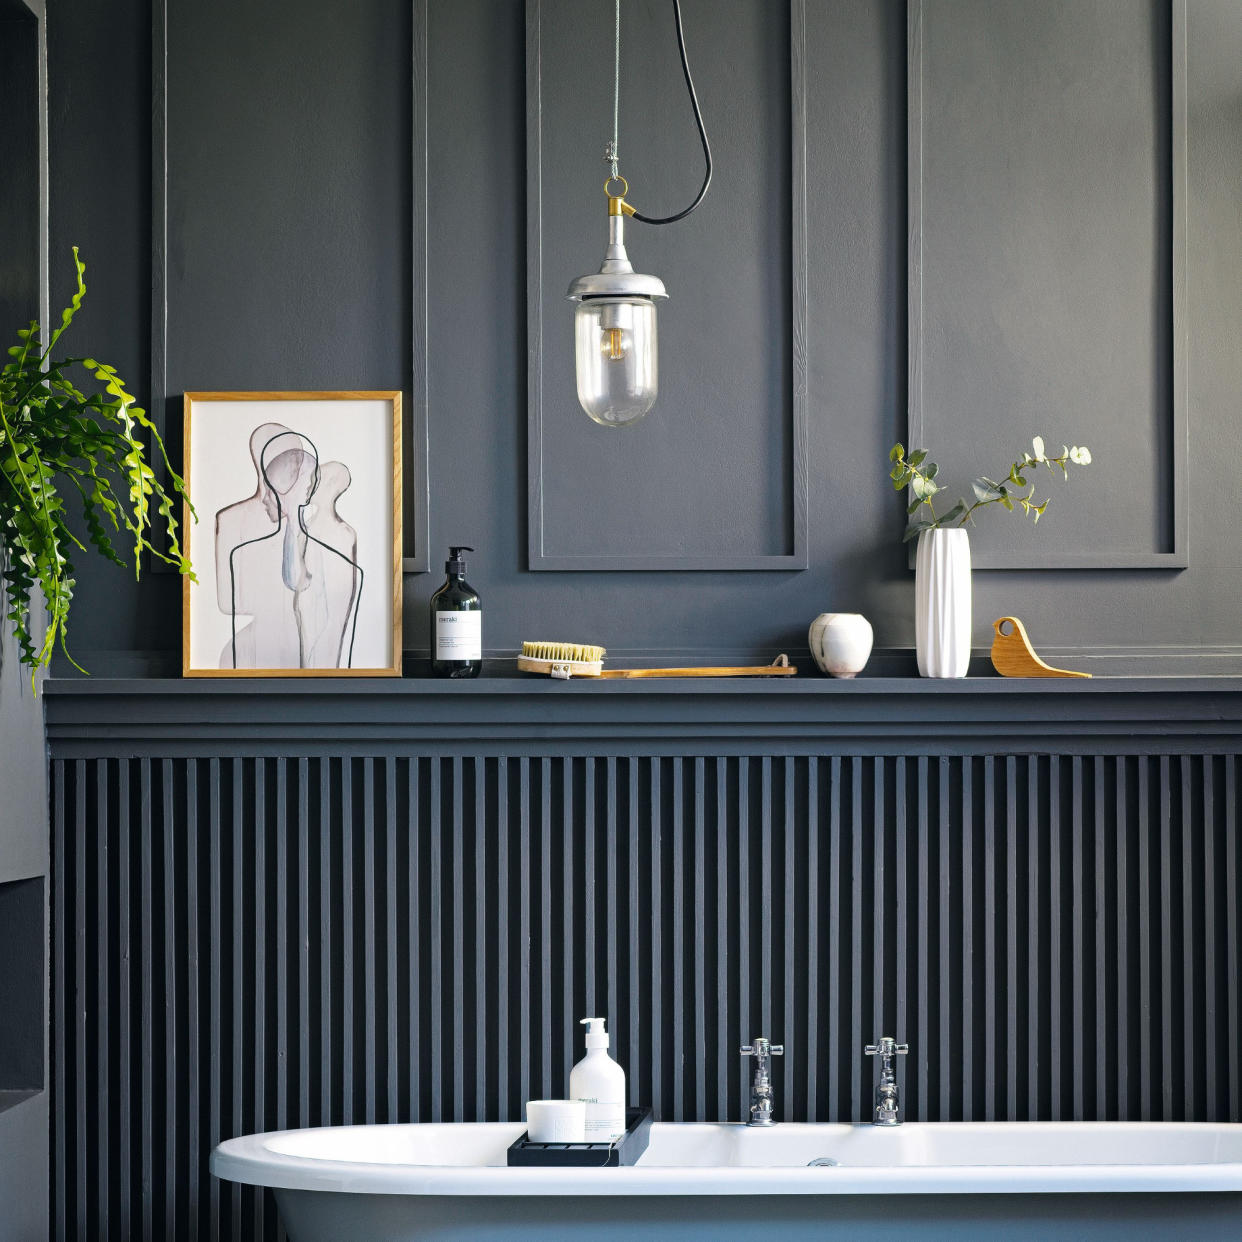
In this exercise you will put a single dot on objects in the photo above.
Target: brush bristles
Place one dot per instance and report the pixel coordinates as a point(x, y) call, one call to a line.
point(576, 652)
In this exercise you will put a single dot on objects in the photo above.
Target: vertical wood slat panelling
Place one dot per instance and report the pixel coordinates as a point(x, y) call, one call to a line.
point(434, 928)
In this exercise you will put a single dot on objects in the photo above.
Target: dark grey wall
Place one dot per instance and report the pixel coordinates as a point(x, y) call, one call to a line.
point(23, 807)
point(23, 762)
point(188, 880)
point(303, 285)
point(24, 1099)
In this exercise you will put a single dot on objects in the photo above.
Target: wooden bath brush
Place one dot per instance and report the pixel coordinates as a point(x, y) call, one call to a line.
point(1013, 655)
point(566, 660)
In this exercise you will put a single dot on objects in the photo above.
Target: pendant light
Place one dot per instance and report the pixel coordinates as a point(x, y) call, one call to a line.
point(615, 336)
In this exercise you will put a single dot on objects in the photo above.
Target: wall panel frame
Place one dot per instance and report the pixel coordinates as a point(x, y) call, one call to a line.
point(416, 489)
point(790, 547)
point(1169, 473)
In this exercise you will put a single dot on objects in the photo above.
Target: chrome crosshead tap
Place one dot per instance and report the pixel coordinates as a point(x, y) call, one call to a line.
point(887, 1094)
point(761, 1088)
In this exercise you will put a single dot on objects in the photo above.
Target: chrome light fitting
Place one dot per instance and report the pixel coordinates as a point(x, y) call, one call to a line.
point(616, 359)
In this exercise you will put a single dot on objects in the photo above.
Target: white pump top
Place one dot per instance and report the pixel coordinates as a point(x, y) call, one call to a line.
point(596, 1036)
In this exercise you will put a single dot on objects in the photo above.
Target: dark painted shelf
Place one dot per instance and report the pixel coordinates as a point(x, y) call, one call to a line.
point(512, 715)
point(739, 687)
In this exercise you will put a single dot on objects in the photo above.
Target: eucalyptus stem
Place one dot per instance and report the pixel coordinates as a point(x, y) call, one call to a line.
point(915, 472)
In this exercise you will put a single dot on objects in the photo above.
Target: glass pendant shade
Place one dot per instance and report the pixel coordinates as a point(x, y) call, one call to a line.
point(615, 357)
point(615, 333)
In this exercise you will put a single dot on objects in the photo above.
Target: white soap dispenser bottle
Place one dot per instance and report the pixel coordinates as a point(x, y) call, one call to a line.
point(600, 1081)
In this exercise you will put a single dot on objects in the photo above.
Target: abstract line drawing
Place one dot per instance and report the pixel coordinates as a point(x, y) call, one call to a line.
point(287, 570)
point(299, 550)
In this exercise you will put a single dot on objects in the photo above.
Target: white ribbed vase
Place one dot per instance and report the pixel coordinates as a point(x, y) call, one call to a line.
point(942, 603)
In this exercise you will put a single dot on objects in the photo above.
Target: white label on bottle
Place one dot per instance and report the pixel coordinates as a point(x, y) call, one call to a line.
point(604, 1122)
point(459, 635)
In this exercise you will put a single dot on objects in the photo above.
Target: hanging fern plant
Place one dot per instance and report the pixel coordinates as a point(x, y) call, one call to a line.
point(53, 436)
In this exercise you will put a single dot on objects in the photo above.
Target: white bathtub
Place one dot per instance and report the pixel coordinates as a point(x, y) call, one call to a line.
point(696, 1181)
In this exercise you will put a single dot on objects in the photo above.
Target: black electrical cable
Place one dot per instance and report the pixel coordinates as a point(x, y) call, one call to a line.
point(698, 120)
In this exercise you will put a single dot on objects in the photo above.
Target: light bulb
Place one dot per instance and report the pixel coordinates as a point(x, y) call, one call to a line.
point(616, 358)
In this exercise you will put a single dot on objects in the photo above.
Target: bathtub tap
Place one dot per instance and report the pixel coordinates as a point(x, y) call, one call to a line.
point(887, 1093)
point(761, 1088)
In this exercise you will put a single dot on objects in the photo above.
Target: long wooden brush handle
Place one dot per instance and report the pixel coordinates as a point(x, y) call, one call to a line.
point(739, 670)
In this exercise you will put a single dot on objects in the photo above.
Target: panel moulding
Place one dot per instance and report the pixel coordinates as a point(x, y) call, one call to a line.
point(794, 552)
point(417, 487)
point(1173, 502)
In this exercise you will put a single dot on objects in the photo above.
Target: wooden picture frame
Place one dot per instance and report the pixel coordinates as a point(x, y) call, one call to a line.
point(319, 599)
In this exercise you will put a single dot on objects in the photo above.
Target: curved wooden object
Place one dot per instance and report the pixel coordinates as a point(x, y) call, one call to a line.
point(1013, 655)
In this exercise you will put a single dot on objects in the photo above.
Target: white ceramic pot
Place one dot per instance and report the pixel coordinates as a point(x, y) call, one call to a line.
point(840, 642)
point(942, 603)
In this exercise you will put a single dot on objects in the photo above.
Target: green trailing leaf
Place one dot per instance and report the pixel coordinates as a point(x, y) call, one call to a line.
point(897, 452)
point(52, 436)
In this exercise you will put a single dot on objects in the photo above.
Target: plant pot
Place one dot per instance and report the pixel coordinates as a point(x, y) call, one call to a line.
point(840, 642)
point(942, 603)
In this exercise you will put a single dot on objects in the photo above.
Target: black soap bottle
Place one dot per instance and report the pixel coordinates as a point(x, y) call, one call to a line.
point(456, 623)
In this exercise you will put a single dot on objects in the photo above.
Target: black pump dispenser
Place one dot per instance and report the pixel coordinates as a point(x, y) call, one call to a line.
point(456, 622)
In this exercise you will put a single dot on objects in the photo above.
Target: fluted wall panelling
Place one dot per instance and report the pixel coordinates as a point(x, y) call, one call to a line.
point(259, 943)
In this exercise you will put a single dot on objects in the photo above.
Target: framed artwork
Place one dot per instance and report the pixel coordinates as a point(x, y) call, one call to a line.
point(297, 547)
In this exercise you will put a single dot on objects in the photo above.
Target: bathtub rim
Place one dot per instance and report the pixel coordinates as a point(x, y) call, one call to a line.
point(248, 1160)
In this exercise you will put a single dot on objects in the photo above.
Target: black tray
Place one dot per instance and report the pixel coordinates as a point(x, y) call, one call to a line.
point(625, 1150)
